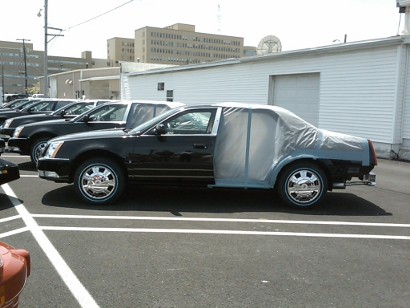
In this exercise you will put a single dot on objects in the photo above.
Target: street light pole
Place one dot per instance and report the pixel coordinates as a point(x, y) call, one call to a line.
point(25, 63)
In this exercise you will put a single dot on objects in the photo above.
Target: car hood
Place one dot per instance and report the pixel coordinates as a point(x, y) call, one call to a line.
point(95, 134)
point(52, 122)
point(36, 116)
point(7, 112)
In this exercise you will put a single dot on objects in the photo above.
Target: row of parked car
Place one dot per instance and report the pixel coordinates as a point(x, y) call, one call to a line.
point(102, 146)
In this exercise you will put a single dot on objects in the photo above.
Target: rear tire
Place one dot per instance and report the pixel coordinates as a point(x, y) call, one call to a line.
point(99, 181)
point(302, 185)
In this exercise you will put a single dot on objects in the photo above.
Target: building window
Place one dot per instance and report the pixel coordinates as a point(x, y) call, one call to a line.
point(161, 86)
point(170, 95)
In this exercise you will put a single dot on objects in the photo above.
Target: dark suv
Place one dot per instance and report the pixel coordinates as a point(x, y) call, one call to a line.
point(30, 139)
point(67, 112)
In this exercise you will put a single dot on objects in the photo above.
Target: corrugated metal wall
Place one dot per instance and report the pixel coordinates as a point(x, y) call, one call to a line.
point(358, 91)
point(357, 87)
point(406, 112)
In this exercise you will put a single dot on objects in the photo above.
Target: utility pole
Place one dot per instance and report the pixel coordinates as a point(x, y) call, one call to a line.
point(2, 84)
point(25, 63)
point(46, 87)
point(46, 41)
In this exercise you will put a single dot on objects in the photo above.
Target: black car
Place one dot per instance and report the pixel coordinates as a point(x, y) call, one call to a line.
point(17, 104)
point(8, 171)
point(30, 139)
point(2, 146)
point(41, 106)
point(228, 145)
point(66, 112)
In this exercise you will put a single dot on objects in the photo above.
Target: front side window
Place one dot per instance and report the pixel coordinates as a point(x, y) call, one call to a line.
point(109, 113)
point(78, 109)
point(45, 106)
point(191, 122)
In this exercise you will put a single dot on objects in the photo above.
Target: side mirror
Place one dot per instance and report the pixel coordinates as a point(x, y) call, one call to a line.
point(63, 113)
point(160, 129)
point(86, 118)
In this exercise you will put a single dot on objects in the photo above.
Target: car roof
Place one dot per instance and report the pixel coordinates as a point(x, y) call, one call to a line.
point(155, 102)
point(282, 112)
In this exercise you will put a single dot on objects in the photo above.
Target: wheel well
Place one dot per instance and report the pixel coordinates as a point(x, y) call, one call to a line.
point(39, 136)
point(95, 154)
point(319, 163)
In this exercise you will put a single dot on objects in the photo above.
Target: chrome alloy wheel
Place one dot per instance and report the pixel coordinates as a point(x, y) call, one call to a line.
point(304, 186)
point(38, 149)
point(98, 182)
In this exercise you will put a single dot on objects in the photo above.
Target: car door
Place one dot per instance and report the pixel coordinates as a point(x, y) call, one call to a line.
point(181, 152)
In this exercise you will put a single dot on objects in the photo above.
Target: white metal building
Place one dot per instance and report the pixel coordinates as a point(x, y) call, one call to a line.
point(360, 88)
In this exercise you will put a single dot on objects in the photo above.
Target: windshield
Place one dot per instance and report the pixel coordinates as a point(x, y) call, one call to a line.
point(14, 103)
point(144, 126)
point(25, 105)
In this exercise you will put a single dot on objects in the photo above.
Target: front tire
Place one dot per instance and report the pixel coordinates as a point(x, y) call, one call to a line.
point(99, 181)
point(37, 149)
point(302, 185)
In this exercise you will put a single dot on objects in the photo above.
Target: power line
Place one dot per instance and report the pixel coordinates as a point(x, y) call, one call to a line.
point(81, 23)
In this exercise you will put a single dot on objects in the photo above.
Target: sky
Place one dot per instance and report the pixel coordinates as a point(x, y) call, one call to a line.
point(299, 24)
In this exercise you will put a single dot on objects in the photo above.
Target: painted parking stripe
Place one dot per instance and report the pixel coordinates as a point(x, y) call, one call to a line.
point(229, 232)
point(69, 278)
point(10, 218)
point(238, 220)
point(14, 232)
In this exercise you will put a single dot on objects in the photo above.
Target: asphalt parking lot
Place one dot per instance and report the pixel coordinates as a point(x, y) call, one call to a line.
point(165, 247)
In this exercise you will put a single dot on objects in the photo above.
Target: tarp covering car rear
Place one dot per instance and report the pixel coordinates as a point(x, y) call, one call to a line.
point(253, 140)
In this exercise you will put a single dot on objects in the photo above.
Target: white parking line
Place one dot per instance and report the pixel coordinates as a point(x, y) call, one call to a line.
point(230, 232)
point(14, 156)
point(10, 218)
point(239, 220)
point(69, 278)
point(14, 232)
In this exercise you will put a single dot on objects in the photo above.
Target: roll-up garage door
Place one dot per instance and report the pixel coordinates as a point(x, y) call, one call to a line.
point(298, 93)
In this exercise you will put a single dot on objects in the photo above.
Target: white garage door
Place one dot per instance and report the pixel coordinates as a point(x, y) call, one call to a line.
point(298, 93)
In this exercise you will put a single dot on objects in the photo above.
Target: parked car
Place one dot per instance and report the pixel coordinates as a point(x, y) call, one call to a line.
point(42, 106)
point(17, 104)
point(227, 145)
point(8, 171)
point(2, 145)
point(14, 270)
point(30, 139)
point(66, 112)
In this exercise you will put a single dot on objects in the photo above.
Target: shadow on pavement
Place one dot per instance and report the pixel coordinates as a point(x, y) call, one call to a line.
point(27, 166)
point(179, 200)
point(5, 202)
